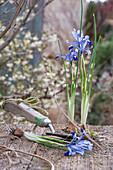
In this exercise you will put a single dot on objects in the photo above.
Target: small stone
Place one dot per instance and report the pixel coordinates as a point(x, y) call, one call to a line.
point(105, 75)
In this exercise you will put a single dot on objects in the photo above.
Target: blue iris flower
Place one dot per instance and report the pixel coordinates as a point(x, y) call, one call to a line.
point(79, 146)
point(73, 150)
point(71, 56)
point(85, 144)
point(81, 42)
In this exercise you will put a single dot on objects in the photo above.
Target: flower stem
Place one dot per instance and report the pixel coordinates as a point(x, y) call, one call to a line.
point(81, 75)
point(81, 17)
point(65, 76)
point(72, 84)
point(78, 51)
point(85, 81)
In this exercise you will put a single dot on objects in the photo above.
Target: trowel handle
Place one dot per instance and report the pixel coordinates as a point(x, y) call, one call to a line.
point(35, 116)
point(29, 113)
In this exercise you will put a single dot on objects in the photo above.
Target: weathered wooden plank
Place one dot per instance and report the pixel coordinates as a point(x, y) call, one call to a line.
point(102, 159)
point(24, 145)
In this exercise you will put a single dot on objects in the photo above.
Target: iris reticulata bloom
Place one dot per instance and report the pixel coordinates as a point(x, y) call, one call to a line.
point(83, 44)
point(79, 146)
point(71, 56)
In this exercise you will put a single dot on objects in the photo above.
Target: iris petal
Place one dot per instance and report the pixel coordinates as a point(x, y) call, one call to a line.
point(79, 146)
point(89, 43)
point(67, 153)
point(81, 41)
point(71, 56)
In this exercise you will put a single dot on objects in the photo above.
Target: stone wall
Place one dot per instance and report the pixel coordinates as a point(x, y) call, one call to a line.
point(60, 17)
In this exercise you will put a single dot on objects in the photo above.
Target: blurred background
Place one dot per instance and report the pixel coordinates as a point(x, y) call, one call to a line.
point(29, 47)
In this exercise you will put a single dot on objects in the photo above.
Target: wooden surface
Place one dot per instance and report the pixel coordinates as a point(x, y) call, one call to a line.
point(102, 159)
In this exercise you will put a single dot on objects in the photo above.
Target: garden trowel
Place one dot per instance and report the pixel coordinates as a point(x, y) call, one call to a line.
point(29, 113)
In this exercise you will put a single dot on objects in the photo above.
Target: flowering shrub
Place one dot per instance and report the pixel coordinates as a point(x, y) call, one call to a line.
point(18, 74)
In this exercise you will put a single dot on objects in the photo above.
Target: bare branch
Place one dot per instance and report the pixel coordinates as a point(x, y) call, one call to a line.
point(24, 22)
point(16, 2)
point(36, 1)
point(16, 30)
point(7, 11)
point(4, 3)
point(21, 4)
point(37, 13)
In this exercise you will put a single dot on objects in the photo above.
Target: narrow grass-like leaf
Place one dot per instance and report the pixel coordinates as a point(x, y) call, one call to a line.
point(93, 68)
point(94, 51)
point(54, 139)
point(95, 47)
point(36, 138)
point(86, 151)
point(52, 146)
point(65, 75)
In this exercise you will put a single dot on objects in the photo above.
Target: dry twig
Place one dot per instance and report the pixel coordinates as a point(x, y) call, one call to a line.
point(5, 149)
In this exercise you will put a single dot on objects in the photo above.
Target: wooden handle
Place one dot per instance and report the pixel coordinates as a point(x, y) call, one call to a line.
point(21, 110)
